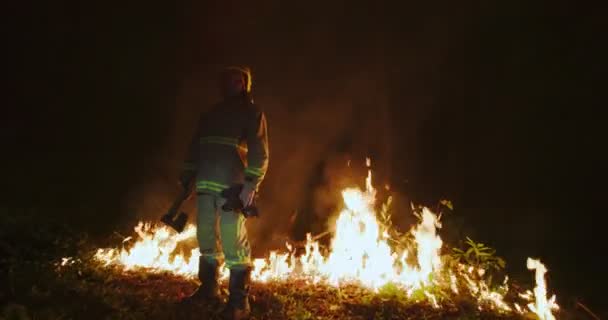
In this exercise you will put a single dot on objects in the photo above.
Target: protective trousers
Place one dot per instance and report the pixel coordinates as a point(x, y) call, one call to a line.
point(222, 234)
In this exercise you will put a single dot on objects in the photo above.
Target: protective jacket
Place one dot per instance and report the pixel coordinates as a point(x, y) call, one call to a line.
point(230, 146)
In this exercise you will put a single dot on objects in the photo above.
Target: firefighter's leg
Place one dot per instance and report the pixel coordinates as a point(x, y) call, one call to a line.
point(207, 232)
point(237, 254)
point(233, 235)
point(208, 228)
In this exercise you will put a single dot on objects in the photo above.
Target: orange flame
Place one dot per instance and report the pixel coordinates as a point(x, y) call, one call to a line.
point(359, 253)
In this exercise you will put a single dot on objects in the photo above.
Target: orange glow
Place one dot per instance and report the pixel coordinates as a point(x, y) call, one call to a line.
point(359, 253)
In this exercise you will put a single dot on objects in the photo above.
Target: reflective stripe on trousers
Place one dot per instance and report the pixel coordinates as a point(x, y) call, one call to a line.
point(207, 185)
point(222, 235)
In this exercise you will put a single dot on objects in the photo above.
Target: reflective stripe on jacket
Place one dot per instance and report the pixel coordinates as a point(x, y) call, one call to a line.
point(230, 146)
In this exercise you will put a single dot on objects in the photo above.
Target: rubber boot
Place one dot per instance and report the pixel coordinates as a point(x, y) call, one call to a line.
point(209, 290)
point(238, 307)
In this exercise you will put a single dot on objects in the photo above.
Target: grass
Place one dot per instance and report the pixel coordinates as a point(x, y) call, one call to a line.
point(36, 286)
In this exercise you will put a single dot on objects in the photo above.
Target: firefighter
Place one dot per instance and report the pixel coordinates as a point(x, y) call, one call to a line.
point(230, 147)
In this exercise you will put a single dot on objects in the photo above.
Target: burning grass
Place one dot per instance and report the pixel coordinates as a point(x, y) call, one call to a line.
point(363, 254)
point(42, 285)
point(134, 295)
point(369, 271)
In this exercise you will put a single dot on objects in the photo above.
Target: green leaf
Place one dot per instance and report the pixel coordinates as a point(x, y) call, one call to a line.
point(501, 262)
point(475, 250)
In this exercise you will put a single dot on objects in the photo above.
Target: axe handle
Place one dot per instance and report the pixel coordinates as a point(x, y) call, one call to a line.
point(183, 196)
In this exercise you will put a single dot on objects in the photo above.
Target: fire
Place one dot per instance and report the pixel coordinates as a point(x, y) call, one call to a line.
point(359, 253)
point(154, 250)
point(542, 306)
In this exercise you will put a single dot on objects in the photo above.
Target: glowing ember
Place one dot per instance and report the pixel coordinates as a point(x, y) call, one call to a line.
point(359, 253)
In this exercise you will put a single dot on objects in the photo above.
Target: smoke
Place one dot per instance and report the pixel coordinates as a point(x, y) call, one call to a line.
point(318, 148)
point(330, 97)
point(489, 104)
point(318, 145)
point(335, 91)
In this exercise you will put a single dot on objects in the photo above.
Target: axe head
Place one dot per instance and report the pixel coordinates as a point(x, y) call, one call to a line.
point(177, 223)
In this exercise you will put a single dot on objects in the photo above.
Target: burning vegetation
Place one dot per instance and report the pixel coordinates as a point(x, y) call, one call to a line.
point(367, 256)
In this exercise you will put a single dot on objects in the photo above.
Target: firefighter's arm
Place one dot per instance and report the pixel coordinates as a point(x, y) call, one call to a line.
point(190, 164)
point(257, 154)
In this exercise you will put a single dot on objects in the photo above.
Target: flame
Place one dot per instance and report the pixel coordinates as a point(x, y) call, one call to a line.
point(359, 253)
point(542, 306)
point(154, 251)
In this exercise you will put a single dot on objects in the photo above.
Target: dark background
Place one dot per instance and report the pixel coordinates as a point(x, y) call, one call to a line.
point(493, 105)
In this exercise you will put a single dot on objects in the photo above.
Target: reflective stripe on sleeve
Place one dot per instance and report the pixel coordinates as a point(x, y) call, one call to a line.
point(233, 142)
point(256, 172)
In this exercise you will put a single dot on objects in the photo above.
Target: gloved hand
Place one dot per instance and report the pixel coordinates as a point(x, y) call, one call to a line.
point(247, 194)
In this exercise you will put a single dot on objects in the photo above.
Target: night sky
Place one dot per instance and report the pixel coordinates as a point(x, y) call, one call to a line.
point(493, 106)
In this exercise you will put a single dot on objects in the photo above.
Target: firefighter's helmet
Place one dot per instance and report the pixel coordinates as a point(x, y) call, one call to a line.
point(246, 72)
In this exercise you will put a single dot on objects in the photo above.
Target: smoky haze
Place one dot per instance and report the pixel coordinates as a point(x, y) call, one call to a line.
point(326, 89)
point(320, 121)
point(491, 105)
point(446, 100)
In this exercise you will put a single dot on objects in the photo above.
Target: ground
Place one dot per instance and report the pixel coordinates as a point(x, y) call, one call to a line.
point(39, 287)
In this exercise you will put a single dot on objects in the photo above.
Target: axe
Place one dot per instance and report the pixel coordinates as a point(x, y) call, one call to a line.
point(174, 218)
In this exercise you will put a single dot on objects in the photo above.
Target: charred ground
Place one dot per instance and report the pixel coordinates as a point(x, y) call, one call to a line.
point(39, 286)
